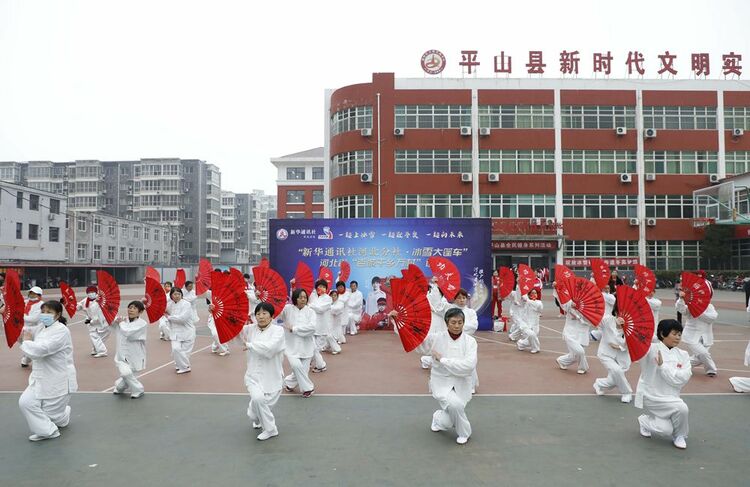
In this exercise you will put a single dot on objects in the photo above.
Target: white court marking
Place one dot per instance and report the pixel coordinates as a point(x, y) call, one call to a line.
point(244, 394)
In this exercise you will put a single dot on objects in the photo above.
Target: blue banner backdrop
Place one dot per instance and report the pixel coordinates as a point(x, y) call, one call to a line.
point(382, 247)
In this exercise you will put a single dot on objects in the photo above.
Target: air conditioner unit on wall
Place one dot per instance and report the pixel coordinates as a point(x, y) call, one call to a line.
point(651, 222)
point(398, 131)
point(466, 177)
point(650, 176)
point(634, 222)
point(713, 178)
point(465, 131)
point(493, 177)
point(485, 131)
point(626, 178)
point(549, 221)
point(621, 130)
point(365, 177)
point(737, 132)
point(649, 133)
point(537, 222)
point(366, 132)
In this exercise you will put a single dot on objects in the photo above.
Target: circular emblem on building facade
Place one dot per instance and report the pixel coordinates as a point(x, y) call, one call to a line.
point(282, 234)
point(433, 62)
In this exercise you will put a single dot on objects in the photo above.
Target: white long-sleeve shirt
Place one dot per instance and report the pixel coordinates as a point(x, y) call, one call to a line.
point(515, 310)
point(354, 303)
point(576, 326)
point(611, 335)
point(455, 367)
point(321, 305)
point(265, 353)
point(180, 317)
point(697, 329)
point(300, 341)
point(191, 298)
point(471, 322)
point(663, 383)
point(339, 313)
point(131, 343)
point(371, 307)
point(95, 314)
point(438, 306)
point(655, 304)
point(532, 311)
point(609, 303)
point(53, 372)
point(31, 319)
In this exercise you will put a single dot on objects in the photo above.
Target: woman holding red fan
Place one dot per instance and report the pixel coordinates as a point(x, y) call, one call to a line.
point(298, 320)
point(179, 314)
point(614, 356)
point(698, 334)
point(529, 330)
point(131, 350)
point(99, 329)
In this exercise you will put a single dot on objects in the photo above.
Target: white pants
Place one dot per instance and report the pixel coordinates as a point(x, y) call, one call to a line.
point(322, 343)
point(740, 384)
point(259, 409)
point(452, 414)
point(596, 333)
point(127, 380)
point(576, 353)
point(353, 325)
point(300, 375)
point(336, 333)
point(181, 350)
point(164, 328)
point(513, 332)
point(615, 377)
point(97, 337)
point(699, 355)
point(669, 419)
point(530, 339)
point(44, 416)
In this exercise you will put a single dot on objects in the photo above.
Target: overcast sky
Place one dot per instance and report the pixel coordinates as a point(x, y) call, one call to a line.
point(235, 83)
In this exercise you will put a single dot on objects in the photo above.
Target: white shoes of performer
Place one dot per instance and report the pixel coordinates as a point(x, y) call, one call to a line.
point(40, 438)
point(680, 442)
point(268, 434)
point(183, 371)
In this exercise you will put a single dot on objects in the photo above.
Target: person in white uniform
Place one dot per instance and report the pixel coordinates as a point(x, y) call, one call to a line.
point(742, 384)
point(264, 375)
point(163, 321)
point(131, 350)
point(698, 335)
point(454, 355)
point(216, 346)
point(576, 337)
point(528, 332)
point(438, 306)
point(99, 329)
point(614, 356)
point(355, 305)
point(32, 311)
point(339, 316)
point(181, 330)
point(44, 403)
point(655, 304)
point(343, 319)
point(320, 303)
point(665, 370)
point(515, 312)
point(298, 320)
point(471, 324)
point(609, 304)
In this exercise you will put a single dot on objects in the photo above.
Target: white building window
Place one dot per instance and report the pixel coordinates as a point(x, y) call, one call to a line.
point(97, 252)
point(673, 255)
point(432, 116)
point(681, 162)
point(54, 234)
point(355, 162)
point(597, 117)
point(433, 161)
point(354, 118)
point(737, 118)
point(669, 206)
point(516, 161)
point(295, 215)
point(82, 252)
point(598, 161)
point(517, 206)
point(295, 197)
point(33, 232)
point(600, 206)
point(81, 224)
point(679, 118)
point(516, 116)
point(295, 173)
point(433, 206)
point(358, 206)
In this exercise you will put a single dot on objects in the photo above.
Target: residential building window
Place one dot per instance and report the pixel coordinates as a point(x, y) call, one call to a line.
point(355, 162)
point(136, 232)
point(156, 234)
point(318, 214)
point(433, 161)
point(122, 254)
point(156, 256)
point(317, 173)
point(433, 206)
point(738, 162)
point(295, 197)
point(97, 252)
point(98, 226)
point(681, 162)
point(130, 254)
point(516, 161)
point(82, 252)
point(295, 215)
point(146, 233)
point(124, 230)
point(600, 206)
point(737, 118)
point(295, 173)
point(146, 255)
point(81, 224)
point(111, 252)
point(19, 199)
point(34, 202)
point(672, 255)
point(517, 206)
point(54, 206)
point(598, 161)
point(19, 231)
point(601, 248)
point(432, 116)
point(597, 117)
point(112, 229)
point(679, 118)
point(669, 206)
point(516, 116)
point(317, 196)
point(33, 232)
point(54, 234)
point(354, 118)
point(358, 206)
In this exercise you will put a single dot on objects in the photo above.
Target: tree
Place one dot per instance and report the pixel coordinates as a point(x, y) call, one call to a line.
point(716, 251)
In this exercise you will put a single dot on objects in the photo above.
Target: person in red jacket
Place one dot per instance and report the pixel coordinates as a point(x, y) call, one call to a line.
point(496, 301)
point(379, 320)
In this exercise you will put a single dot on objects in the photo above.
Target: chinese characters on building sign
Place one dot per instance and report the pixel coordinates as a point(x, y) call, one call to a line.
point(612, 261)
point(524, 245)
point(568, 63)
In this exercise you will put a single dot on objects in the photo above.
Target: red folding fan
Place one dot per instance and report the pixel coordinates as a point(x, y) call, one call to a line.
point(639, 321)
point(231, 305)
point(326, 274)
point(526, 279)
point(588, 300)
point(344, 271)
point(69, 298)
point(180, 278)
point(270, 287)
point(562, 272)
point(109, 295)
point(153, 274)
point(507, 282)
point(303, 278)
point(601, 272)
point(415, 275)
point(697, 293)
point(414, 316)
point(562, 276)
point(264, 262)
point(645, 279)
point(203, 278)
point(155, 300)
point(448, 277)
point(14, 307)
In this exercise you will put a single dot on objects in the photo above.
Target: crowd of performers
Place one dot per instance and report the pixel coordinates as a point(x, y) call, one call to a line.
point(313, 324)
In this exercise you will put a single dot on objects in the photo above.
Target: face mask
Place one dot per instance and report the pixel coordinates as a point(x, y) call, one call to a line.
point(92, 296)
point(376, 287)
point(46, 319)
point(381, 308)
point(35, 298)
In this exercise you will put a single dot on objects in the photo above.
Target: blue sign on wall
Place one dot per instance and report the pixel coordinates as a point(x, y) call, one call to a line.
point(383, 246)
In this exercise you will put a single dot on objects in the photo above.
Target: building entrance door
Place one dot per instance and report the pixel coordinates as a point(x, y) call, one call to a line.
point(535, 261)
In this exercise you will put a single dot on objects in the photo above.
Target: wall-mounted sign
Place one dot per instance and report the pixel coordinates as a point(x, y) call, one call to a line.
point(433, 62)
point(516, 245)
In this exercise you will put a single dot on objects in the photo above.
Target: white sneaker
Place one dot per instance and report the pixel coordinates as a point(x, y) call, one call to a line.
point(183, 371)
point(598, 389)
point(256, 425)
point(136, 396)
point(336, 353)
point(645, 432)
point(434, 427)
point(223, 354)
point(563, 367)
point(100, 355)
point(580, 371)
point(461, 440)
point(680, 442)
point(535, 351)
point(626, 398)
point(268, 434)
point(55, 435)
